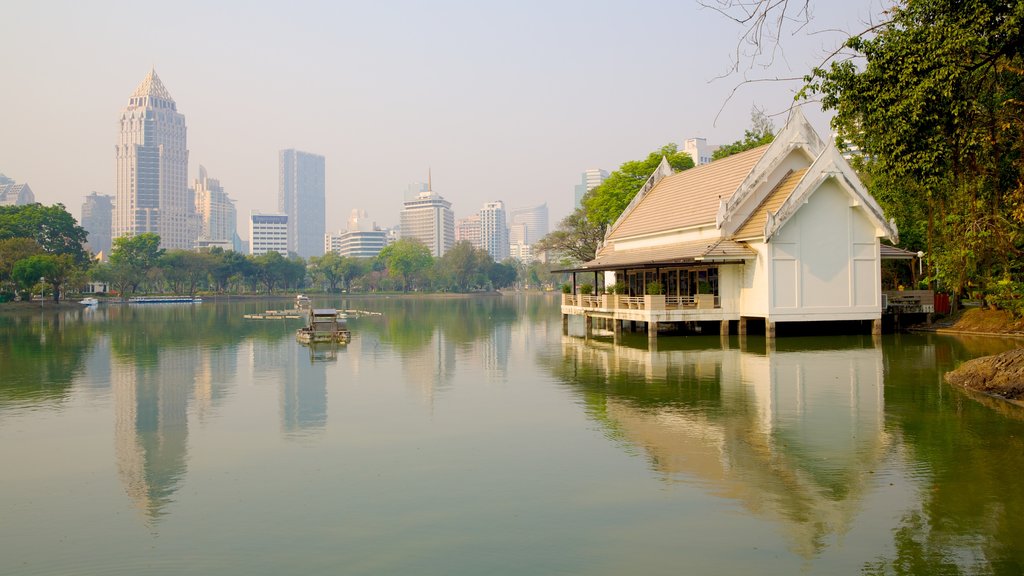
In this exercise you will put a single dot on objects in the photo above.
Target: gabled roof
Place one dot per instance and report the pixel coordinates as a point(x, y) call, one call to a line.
point(152, 86)
point(686, 199)
point(754, 226)
point(831, 164)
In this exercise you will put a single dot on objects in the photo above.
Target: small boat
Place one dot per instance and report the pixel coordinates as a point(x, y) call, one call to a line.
point(89, 301)
point(323, 325)
point(302, 301)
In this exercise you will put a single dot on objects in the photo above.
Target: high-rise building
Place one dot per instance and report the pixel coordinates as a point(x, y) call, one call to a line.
point(12, 194)
point(268, 232)
point(534, 221)
point(428, 218)
point(468, 230)
point(98, 219)
point(363, 239)
point(699, 150)
point(494, 230)
point(301, 195)
point(152, 168)
point(590, 179)
point(218, 219)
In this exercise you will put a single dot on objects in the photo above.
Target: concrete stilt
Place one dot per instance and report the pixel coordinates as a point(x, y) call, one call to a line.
point(724, 329)
point(769, 329)
point(741, 327)
point(617, 327)
point(876, 326)
point(565, 324)
point(652, 336)
point(589, 325)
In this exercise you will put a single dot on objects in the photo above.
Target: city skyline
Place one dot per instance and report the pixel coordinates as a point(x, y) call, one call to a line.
point(473, 102)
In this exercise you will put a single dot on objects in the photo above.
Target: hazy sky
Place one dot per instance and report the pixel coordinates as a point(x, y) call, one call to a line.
point(501, 100)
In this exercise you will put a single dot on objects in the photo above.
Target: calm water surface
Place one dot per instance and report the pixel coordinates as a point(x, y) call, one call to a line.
point(469, 436)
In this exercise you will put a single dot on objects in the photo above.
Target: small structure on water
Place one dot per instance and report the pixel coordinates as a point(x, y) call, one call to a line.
point(302, 302)
point(782, 234)
point(323, 325)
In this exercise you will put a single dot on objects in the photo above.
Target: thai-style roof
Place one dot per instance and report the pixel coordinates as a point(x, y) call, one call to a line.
point(687, 199)
point(754, 226)
point(678, 253)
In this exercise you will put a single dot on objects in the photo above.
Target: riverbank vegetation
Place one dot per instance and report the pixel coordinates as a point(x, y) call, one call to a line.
point(42, 252)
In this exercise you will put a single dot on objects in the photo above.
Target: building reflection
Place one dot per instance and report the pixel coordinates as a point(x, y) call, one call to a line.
point(791, 435)
point(152, 397)
point(302, 379)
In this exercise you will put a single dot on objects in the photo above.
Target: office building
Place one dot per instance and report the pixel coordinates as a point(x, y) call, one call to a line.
point(301, 195)
point(428, 218)
point(468, 230)
point(152, 168)
point(363, 239)
point(98, 220)
point(268, 232)
point(532, 223)
point(590, 179)
point(699, 150)
point(216, 213)
point(13, 194)
point(494, 230)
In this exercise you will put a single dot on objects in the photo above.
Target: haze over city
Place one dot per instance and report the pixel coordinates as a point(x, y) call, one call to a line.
point(499, 101)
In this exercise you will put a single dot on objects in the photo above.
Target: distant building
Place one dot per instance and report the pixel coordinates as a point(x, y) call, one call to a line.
point(521, 252)
point(428, 218)
point(152, 168)
point(468, 230)
point(363, 239)
point(301, 195)
point(699, 150)
point(494, 230)
point(268, 232)
point(533, 222)
point(12, 194)
point(98, 220)
point(590, 179)
point(217, 216)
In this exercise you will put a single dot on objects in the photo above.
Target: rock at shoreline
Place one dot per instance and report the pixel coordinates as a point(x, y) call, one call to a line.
point(1000, 375)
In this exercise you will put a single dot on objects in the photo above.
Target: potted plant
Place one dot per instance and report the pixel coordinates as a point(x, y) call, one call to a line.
point(704, 298)
point(566, 295)
point(654, 299)
point(610, 299)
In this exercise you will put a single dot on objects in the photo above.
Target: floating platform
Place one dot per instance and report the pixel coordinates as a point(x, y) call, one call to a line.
point(324, 325)
point(275, 315)
point(165, 300)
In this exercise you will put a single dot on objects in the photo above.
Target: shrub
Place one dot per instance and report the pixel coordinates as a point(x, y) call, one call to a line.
point(653, 288)
point(586, 289)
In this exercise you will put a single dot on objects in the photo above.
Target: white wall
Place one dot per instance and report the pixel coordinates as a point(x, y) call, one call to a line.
point(825, 261)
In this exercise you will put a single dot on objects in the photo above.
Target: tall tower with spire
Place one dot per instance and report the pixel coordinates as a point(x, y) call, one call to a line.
point(152, 168)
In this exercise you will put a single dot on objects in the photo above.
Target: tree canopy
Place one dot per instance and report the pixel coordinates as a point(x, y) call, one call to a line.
point(52, 227)
point(936, 105)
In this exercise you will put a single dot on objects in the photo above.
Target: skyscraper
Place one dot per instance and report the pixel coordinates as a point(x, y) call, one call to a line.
point(468, 230)
point(301, 195)
point(218, 219)
point(589, 180)
point(534, 220)
point(494, 230)
point(428, 217)
point(152, 167)
point(12, 194)
point(97, 219)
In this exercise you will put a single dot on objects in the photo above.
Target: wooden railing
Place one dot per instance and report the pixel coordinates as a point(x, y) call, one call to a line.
point(637, 302)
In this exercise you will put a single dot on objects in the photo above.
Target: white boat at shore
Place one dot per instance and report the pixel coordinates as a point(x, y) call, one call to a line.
point(89, 301)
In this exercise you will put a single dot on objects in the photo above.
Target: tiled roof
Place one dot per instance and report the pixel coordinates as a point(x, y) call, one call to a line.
point(679, 253)
point(689, 198)
point(754, 226)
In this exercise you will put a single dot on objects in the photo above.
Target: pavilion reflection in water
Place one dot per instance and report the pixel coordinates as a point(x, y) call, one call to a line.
point(793, 436)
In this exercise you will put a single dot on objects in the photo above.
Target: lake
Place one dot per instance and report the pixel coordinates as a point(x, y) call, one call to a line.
point(470, 436)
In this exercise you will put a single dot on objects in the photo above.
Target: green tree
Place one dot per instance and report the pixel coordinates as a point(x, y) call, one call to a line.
point(462, 268)
point(406, 259)
point(52, 227)
point(577, 237)
point(326, 269)
point(935, 106)
point(133, 259)
point(11, 251)
point(28, 272)
point(606, 202)
point(185, 270)
point(761, 132)
point(271, 269)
